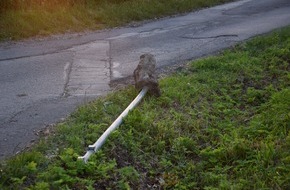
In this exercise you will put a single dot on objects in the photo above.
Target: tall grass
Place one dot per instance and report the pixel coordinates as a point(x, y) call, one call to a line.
point(27, 18)
point(33, 4)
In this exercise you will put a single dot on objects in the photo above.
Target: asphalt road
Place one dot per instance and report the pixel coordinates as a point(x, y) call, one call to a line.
point(43, 80)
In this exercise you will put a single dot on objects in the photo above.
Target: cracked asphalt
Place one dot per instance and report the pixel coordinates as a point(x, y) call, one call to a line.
point(43, 80)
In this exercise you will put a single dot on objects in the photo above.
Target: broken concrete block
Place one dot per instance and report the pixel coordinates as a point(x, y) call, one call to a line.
point(144, 75)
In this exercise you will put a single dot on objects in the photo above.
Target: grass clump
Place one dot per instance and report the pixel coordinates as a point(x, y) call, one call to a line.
point(221, 123)
point(27, 18)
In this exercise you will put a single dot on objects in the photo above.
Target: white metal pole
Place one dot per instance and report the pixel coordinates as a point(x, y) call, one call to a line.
point(97, 145)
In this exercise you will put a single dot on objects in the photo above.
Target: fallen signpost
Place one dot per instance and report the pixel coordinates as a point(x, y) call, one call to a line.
point(146, 81)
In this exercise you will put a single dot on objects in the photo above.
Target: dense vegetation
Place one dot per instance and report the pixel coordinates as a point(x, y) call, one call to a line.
point(28, 18)
point(32, 4)
point(221, 123)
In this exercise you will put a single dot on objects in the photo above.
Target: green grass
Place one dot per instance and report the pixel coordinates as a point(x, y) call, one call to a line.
point(223, 122)
point(30, 18)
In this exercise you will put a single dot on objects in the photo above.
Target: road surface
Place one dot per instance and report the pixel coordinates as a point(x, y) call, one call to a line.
point(43, 80)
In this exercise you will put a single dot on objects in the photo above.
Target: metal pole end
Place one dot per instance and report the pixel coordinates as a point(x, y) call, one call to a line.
point(83, 158)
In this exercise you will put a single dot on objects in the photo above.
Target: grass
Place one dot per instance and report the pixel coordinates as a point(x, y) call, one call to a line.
point(223, 122)
point(28, 18)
